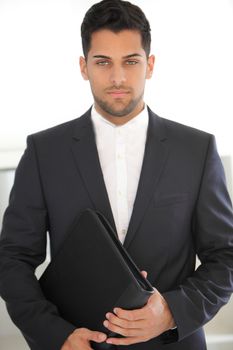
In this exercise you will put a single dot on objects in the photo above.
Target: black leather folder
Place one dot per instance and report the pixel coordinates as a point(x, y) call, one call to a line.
point(92, 273)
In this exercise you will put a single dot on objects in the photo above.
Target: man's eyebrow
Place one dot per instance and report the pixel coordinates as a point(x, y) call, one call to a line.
point(127, 56)
point(101, 56)
point(133, 55)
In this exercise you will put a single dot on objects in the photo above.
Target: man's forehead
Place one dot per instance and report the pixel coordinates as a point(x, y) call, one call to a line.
point(122, 32)
point(125, 38)
point(123, 44)
point(116, 45)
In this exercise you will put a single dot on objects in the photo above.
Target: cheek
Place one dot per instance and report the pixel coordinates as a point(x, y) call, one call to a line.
point(138, 77)
point(96, 85)
point(98, 81)
point(138, 84)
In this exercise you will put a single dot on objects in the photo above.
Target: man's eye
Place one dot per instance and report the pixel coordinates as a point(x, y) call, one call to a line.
point(102, 63)
point(131, 63)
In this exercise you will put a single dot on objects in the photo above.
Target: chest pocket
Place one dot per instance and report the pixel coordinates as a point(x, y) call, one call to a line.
point(170, 199)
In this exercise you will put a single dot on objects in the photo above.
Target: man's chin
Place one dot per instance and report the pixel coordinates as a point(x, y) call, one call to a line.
point(118, 108)
point(117, 112)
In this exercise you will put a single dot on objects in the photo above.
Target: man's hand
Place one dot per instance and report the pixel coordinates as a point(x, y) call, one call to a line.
point(80, 339)
point(140, 325)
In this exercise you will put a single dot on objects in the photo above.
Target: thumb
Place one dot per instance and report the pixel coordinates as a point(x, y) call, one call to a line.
point(97, 336)
point(144, 274)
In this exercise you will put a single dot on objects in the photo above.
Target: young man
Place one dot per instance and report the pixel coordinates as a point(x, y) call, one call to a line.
point(160, 184)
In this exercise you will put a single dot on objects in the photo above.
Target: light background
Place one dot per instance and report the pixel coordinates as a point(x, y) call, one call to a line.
point(41, 86)
point(40, 82)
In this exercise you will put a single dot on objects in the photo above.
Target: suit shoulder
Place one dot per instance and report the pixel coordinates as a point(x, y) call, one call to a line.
point(184, 132)
point(184, 139)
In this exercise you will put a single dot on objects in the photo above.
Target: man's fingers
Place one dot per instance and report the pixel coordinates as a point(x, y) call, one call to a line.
point(96, 336)
point(87, 334)
point(80, 339)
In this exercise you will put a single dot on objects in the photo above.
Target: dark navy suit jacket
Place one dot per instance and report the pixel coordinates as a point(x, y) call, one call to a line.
point(182, 209)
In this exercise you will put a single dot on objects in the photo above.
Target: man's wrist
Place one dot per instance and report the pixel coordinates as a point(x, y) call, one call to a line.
point(171, 322)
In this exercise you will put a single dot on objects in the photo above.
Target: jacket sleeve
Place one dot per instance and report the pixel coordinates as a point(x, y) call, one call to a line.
point(22, 249)
point(202, 294)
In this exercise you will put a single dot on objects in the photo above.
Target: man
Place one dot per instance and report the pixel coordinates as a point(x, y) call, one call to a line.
point(159, 181)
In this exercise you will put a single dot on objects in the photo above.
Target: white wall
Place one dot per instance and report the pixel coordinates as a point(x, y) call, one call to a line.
point(40, 83)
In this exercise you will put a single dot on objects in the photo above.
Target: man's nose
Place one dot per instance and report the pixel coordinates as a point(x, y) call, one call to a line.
point(117, 76)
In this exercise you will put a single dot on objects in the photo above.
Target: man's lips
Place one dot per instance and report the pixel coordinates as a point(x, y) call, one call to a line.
point(118, 93)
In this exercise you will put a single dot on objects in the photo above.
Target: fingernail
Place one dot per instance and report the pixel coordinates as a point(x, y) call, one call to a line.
point(115, 310)
point(106, 323)
point(107, 315)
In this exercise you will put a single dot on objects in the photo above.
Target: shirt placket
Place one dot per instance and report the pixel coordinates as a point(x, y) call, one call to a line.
point(121, 177)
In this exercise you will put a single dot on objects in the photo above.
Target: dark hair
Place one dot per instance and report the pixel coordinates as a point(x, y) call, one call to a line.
point(115, 15)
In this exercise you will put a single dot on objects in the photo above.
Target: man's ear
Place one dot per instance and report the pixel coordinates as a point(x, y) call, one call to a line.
point(150, 66)
point(83, 67)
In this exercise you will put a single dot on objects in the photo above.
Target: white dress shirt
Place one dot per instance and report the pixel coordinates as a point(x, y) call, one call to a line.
point(121, 151)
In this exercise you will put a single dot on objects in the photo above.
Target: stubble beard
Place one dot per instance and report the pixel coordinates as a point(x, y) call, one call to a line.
point(114, 112)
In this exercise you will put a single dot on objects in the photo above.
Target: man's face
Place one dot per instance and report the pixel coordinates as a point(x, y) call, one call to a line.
point(117, 68)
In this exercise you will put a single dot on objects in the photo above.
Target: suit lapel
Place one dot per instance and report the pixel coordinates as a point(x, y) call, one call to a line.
point(86, 157)
point(156, 152)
